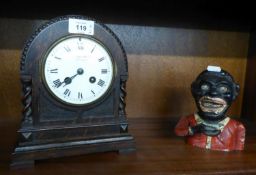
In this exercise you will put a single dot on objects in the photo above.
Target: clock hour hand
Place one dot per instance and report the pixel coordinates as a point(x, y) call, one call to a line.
point(58, 83)
point(68, 80)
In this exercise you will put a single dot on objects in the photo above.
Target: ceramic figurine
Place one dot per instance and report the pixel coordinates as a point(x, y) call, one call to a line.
point(214, 90)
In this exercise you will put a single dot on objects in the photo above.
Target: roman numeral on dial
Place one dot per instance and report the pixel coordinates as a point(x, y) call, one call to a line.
point(104, 71)
point(93, 48)
point(67, 92)
point(101, 83)
point(57, 58)
point(57, 83)
point(80, 95)
point(101, 59)
point(54, 70)
point(80, 44)
point(67, 48)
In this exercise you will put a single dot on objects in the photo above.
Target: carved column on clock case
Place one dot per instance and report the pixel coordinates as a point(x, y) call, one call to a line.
point(26, 99)
point(122, 105)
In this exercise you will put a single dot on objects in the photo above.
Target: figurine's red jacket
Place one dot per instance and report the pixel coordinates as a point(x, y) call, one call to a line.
point(232, 136)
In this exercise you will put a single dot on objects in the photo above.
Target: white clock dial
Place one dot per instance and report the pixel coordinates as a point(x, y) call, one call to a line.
point(78, 70)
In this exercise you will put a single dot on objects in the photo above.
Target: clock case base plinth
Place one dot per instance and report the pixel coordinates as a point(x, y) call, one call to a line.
point(25, 156)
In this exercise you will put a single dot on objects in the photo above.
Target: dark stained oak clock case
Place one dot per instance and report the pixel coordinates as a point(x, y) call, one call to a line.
point(57, 119)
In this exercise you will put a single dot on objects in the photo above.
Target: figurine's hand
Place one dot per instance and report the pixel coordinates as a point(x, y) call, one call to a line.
point(207, 130)
point(197, 129)
point(210, 131)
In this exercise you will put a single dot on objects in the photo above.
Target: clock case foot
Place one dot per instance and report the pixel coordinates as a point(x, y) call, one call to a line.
point(25, 156)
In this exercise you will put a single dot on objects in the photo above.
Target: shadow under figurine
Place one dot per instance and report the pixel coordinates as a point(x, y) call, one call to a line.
point(213, 90)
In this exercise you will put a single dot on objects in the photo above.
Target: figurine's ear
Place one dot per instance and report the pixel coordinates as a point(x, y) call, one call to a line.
point(237, 89)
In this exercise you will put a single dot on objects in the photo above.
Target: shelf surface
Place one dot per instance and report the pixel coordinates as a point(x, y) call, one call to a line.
point(159, 151)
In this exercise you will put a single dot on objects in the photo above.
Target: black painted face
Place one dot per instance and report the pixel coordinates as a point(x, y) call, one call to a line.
point(214, 92)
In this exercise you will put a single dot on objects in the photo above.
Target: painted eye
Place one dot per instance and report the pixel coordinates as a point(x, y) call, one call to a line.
point(205, 87)
point(223, 89)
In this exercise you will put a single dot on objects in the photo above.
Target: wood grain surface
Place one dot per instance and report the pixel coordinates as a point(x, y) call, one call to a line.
point(159, 86)
point(162, 64)
point(249, 100)
point(159, 151)
point(10, 86)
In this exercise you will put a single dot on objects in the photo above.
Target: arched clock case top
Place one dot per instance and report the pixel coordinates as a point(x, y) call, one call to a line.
point(46, 36)
point(50, 126)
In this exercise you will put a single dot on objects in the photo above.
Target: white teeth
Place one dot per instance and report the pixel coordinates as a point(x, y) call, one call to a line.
point(212, 105)
point(215, 105)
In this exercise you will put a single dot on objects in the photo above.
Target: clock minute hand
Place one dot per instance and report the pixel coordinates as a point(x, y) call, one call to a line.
point(73, 76)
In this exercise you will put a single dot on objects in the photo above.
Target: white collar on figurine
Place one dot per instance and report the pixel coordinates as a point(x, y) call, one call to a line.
point(220, 125)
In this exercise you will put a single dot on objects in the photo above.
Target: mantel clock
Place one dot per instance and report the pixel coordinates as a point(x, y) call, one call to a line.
point(73, 73)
